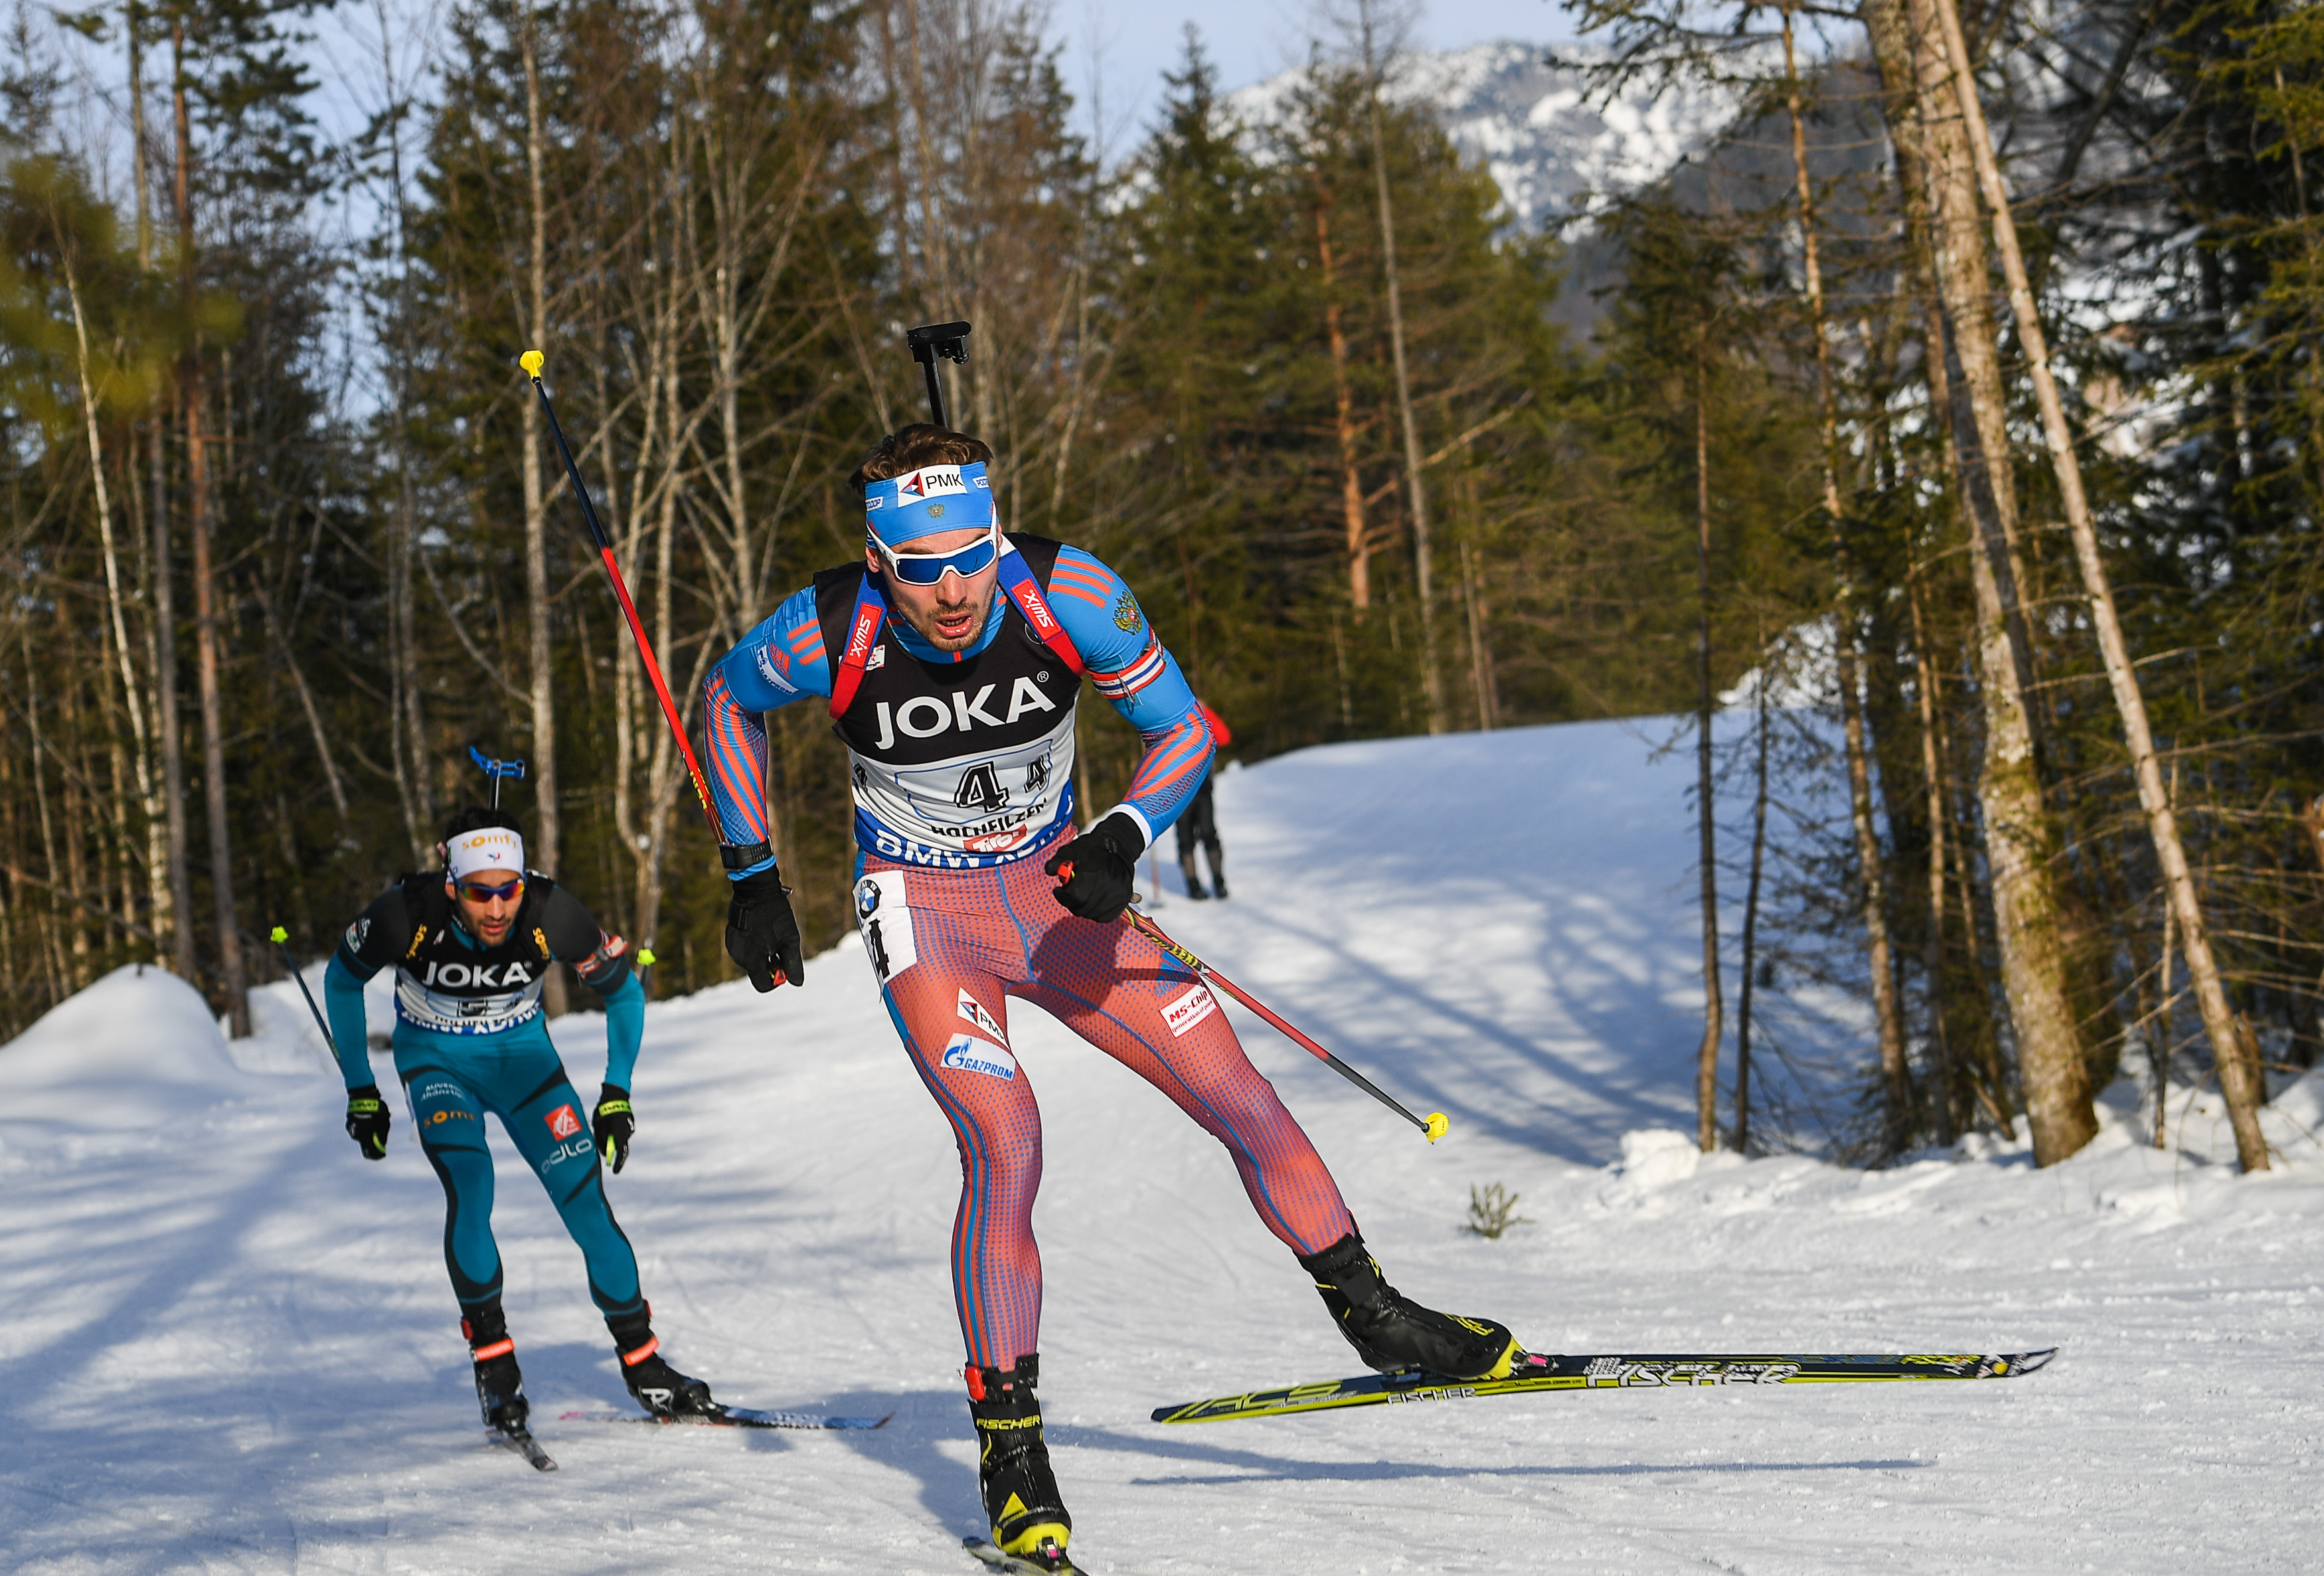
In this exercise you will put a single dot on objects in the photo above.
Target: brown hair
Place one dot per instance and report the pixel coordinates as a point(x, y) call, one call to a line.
point(923, 443)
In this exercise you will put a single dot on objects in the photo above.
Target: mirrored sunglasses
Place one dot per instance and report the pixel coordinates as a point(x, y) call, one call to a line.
point(929, 568)
point(478, 893)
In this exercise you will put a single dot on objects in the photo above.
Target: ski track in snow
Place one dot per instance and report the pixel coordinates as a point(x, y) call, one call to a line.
point(226, 1343)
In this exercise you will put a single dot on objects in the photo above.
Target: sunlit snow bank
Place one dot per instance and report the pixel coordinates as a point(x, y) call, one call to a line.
point(225, 1341)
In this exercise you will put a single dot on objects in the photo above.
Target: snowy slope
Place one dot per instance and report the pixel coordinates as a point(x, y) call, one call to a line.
point(226, 1343)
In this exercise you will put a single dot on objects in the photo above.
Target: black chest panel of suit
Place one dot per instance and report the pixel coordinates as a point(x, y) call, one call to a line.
point(950, 759)
point(455, 983)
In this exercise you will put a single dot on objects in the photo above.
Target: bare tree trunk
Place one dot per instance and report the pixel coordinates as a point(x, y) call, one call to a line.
point(233, 982)
point(1751, 911)
point(148, 801)
point(2240, 1079)
point(407, 724)
point(1432, 681)
point(134, 25)
point(174, 916)
point(76, 817)
point(1896, 1075)
point(1480, 659)
point(1343, 419)
point(2022, 844)
point(1931, 769)
point(60, 973)
point(161, 869)
point(547, 828)
point(1706, 1060)
point(2159, 1030)
point(176, 922)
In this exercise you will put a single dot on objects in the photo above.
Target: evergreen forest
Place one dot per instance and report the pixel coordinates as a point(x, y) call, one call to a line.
point(1935, 455)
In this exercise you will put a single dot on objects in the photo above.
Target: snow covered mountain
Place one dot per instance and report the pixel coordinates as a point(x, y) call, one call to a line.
point(226, 1342)
point(1546, 137)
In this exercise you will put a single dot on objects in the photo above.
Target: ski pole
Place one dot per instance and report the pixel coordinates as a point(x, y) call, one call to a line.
point(1434, 1128)
point(281, 940)
point(532, 361)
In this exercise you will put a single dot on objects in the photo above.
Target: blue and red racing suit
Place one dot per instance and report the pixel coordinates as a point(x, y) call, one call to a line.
point(961, 766)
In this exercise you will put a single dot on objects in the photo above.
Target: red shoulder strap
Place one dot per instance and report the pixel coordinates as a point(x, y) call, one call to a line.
point(863, 631)
point(1017, 581)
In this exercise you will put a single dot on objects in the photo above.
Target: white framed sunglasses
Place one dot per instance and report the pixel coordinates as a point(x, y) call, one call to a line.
point(930, 569)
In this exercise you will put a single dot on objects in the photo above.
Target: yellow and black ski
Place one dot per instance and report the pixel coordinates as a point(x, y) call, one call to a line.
point(1534, 1374)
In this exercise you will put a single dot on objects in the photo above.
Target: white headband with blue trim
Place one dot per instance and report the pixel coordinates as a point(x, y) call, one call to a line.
point(925, 501)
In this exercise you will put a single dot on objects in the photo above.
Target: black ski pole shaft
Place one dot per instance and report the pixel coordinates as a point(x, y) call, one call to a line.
point(281, 940)
point(532, 361)
point(1433, 1127)
point(935, 392)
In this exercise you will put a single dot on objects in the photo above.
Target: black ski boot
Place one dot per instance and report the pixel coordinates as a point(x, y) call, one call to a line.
point(1028, 1517)
point(500, 1387)
point(655, 1386)
point(1391, 1331)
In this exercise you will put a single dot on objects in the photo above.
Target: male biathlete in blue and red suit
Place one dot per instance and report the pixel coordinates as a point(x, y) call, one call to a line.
point(952, 668)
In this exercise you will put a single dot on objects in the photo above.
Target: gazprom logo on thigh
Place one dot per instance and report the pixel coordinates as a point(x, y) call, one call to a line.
point(968, 1054)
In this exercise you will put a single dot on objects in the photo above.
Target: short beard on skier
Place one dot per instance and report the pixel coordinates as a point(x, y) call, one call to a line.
point(488, 921)
point(950, 615)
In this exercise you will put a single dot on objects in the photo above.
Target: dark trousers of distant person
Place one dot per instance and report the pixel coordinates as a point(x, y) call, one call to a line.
point(1200, 823)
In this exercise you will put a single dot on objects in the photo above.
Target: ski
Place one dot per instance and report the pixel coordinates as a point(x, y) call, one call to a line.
point(520, 1441)
point(733, 1417)
point(985, 1550)
point(1534, 1374)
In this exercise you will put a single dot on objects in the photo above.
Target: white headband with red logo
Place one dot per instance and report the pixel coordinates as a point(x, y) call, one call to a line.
point(485, 848)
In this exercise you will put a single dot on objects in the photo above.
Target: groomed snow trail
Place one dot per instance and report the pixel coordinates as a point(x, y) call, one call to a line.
point(226, 1343)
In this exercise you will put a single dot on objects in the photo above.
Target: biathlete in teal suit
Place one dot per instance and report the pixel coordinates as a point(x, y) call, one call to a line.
point(472, 946)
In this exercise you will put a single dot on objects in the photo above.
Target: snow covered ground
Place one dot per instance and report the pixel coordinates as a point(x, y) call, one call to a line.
point(226, 1343)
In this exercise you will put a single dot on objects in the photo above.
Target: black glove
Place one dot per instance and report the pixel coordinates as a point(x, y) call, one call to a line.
point(367, 1121)
point(613, 1124)
point(1097, 871)
point(762, 937)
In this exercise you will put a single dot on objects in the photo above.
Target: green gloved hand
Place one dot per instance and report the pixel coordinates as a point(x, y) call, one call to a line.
point(613, 1123)
point(367, 1121)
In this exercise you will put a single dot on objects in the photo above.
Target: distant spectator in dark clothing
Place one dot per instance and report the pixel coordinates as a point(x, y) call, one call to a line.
point(1198, 822)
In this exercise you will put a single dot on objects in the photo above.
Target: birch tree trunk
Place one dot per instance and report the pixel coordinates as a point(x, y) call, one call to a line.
point(2240, 1079)
point(157, 874)
point(2022, 845)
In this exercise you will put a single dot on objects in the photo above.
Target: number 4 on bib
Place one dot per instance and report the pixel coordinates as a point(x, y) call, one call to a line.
point(980, 789)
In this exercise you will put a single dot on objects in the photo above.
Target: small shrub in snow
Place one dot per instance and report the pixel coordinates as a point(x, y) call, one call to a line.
point(1492, 1210)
